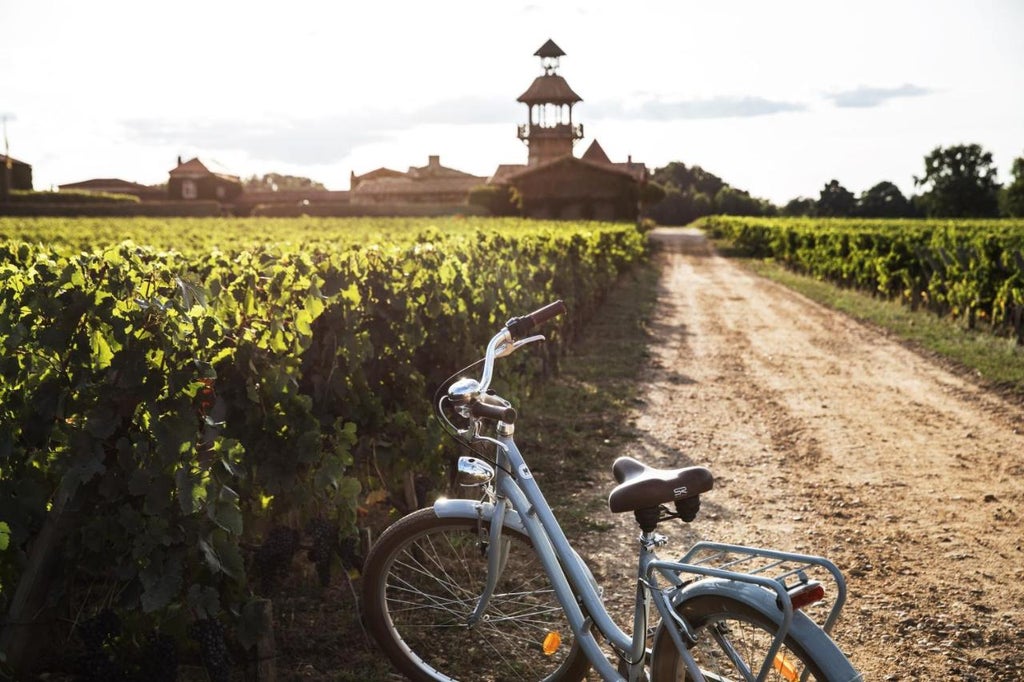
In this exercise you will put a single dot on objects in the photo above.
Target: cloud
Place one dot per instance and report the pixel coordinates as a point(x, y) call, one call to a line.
point(864, 97)
point(716, 107)
point(321, 140)
point(464, 110)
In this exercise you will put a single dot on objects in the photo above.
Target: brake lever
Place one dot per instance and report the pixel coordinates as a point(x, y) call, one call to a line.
point(506, 349)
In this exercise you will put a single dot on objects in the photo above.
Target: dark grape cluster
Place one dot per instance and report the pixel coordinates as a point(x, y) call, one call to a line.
point(108, 655)
point(349, 551)
point(97, 662)
point(158, 660)
point(324, 536)
point(100, 629)
point(274, 556)
point(209, 633)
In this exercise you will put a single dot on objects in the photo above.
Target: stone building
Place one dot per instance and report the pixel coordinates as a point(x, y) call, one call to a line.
point(553, 183)
point(430, 184)
point(192, 180)
point(14, 174)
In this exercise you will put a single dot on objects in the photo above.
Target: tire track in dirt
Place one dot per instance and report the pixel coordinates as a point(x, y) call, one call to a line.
point(827, 437)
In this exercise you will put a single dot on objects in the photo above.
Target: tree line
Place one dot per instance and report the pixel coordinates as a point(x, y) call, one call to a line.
point(958, 182)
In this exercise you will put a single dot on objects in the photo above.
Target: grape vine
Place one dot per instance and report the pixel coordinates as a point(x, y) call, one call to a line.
point(193, 398)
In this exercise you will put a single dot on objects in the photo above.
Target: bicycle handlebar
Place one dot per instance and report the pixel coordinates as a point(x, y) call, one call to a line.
point(489, 407)
point(472, 394)
point(519, 327)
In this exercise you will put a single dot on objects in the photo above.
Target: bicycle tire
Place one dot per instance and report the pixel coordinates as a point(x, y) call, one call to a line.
point(749, 625)
point(421, 581)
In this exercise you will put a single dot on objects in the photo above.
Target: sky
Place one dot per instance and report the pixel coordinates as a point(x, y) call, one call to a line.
point(777, 98)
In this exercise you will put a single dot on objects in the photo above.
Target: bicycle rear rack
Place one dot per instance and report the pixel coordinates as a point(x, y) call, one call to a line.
point(736, 562)
point(775, 571)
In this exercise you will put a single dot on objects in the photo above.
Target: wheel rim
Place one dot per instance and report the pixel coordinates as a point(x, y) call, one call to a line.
point(731, 647)
point(432, 585)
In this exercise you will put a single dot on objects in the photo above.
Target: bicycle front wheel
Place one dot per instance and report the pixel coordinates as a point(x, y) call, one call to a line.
point(733, 639)
point(422, 580)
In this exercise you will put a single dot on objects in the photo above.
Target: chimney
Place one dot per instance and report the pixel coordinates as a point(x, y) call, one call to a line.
point(434, 161)
point(179, 159)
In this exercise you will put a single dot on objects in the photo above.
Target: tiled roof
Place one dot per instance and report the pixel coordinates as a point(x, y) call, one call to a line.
point(596, 153)
point(504, 171)
point(409, 186)
point(549, 49)
point(195, 167)
point(191, 167)
point(549, 88)
point(104, 184)
point(3, 159)
point(638, 170)
point(603, 167)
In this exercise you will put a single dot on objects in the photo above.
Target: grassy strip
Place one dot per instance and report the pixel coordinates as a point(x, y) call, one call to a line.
point(997, 362)
point(572, 428)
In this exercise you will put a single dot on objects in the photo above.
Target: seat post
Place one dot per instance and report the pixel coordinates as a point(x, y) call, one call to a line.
point(648, 540)
point(647, 518)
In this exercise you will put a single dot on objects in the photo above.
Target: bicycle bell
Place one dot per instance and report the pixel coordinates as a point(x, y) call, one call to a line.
point(463, 391)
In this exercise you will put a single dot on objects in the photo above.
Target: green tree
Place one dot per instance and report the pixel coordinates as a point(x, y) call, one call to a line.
point(676, 174)
point(836, 201)
point(651, 193)
point(1012, 198)
point(680, 207)
point(884, 200)
point(800, 206)
point(732, 201)
point(961, 183)
point(275, 182)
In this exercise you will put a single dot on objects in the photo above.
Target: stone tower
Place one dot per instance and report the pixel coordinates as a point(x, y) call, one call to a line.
point(550, 133)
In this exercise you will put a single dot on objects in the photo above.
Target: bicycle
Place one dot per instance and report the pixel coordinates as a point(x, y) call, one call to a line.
point(491, 589)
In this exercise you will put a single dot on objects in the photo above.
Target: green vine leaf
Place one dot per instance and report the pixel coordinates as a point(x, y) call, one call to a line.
point(204, 601)
point(224, 511)
point(100, 349)
point(161, 584)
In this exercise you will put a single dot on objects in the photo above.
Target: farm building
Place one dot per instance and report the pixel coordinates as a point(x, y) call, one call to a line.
point(194, 180)
point(430, 184)
point(14, 174)
point(553, 183)
point(114, 186)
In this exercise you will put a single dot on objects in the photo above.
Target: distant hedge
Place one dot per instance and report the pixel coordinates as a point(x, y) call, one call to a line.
point(200, 209)
point(344, 209)
point(70, 197)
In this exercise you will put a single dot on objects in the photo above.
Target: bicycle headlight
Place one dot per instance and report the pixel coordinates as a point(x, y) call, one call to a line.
point(474, 472)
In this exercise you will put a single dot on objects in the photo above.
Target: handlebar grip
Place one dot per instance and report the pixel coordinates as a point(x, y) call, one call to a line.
point(493, 408)
point(519, 327)
point(550, 311)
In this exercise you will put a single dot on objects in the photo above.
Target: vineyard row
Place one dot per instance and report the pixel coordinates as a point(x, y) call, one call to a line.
point(968, 269)
point(171, 422)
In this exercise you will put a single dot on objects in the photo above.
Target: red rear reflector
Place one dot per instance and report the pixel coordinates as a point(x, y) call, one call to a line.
point(806, 594)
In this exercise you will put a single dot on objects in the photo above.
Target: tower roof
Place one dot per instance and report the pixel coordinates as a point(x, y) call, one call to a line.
point(549, 89)
point(596, 153)
point(549, 49)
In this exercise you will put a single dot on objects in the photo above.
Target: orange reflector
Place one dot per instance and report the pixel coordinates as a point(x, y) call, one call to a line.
point(786, 667)
point(552, 642)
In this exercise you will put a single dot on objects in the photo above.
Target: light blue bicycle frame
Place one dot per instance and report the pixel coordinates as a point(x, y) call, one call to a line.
point(519, 503)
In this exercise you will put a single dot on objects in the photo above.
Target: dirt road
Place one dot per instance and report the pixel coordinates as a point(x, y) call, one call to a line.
point(828, 437)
